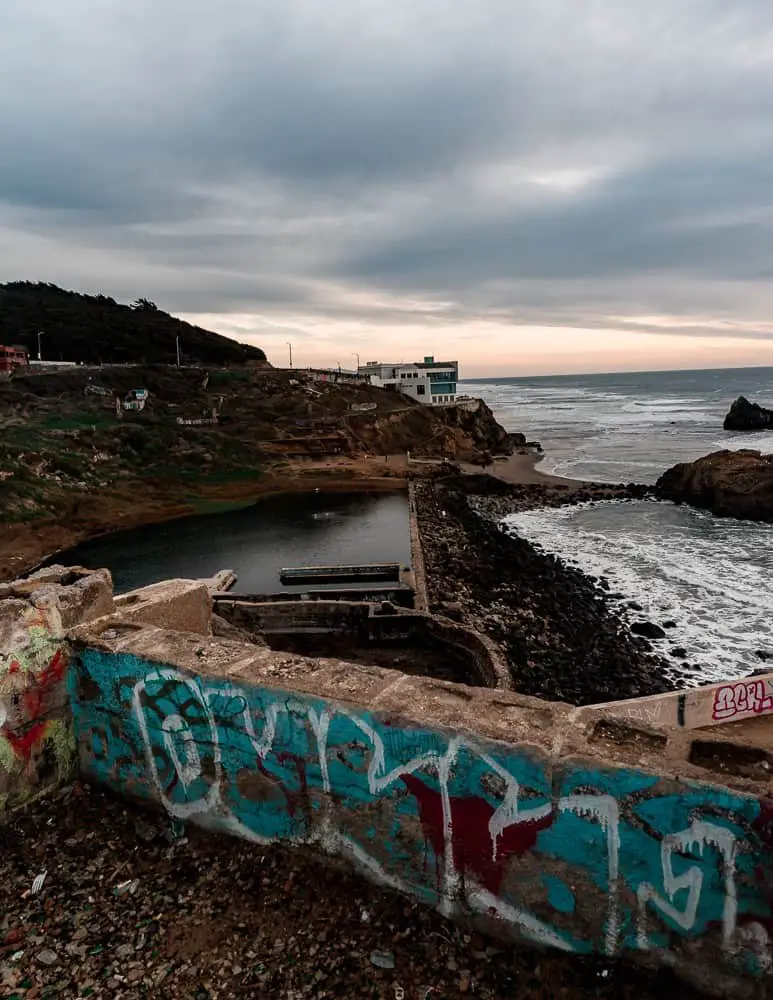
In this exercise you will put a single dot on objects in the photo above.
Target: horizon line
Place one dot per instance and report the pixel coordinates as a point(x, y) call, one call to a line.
point(623, 371)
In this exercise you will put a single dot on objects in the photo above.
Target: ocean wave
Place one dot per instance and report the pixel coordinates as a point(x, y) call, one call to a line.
point(708, 574)
point(757, 441)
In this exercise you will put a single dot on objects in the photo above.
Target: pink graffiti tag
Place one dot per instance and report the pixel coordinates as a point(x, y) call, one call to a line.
point(741, 698)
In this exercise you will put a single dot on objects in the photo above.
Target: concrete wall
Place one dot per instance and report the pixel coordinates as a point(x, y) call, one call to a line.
point(421, 601)
point(182, 605)
point(482, 661)
point(711, 705)
point(489, 806)
point(37, 743)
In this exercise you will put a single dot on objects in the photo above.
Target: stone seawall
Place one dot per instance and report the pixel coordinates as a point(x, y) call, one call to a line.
point(497, 809)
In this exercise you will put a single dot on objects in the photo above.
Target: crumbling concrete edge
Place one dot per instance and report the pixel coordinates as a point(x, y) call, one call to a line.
point(417, 553)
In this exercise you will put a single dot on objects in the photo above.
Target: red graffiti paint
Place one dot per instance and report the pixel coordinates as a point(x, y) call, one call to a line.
point(33, 699)
point(22, 743)
point(301, 797)
point(473, 848)
point(46, 679)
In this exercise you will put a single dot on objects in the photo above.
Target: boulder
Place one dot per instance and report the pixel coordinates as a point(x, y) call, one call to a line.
point(746, 416)
point(648, 629)
point(728, 483)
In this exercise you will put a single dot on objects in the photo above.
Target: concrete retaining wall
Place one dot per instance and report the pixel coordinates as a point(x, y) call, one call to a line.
point(500, 809)
point(37, 743)
point(711, 705)
point(483, 662)
point(421, 601)
point(182, 605)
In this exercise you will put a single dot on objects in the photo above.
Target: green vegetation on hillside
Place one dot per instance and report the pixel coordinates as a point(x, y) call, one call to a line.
point(98, 330)
point(67, 447)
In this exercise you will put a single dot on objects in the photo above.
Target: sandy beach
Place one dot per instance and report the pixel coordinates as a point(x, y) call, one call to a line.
point(520, 469)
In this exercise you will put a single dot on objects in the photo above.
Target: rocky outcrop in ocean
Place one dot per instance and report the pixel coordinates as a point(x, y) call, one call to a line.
point(746, 416)
point(728, 483)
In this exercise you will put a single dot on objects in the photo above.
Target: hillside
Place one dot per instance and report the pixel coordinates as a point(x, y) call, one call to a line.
point(71, 466)
point(98, 330)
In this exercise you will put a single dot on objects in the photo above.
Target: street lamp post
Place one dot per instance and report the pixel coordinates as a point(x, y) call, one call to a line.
point(40, 334)
point(291, 352)
point(177, 344)
point(339, 367)
point(358, 360)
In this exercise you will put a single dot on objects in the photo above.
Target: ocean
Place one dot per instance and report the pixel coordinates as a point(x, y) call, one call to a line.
point(712, 576)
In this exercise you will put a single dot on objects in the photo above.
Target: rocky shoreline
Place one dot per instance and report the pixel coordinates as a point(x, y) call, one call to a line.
point(554, 623)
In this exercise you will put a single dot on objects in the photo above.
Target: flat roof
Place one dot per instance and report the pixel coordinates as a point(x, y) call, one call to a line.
point(410, 364)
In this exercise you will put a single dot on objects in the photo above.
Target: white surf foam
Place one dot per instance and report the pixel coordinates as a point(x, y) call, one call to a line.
point(758, 441)
point(709, 575)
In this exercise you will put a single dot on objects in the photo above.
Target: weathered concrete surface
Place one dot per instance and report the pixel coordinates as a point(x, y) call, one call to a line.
point(37, 744)
point(480, 660)
point(711, 705)
point(506, 810)
point(421, 601)
point(182, 605)
point(221, 582)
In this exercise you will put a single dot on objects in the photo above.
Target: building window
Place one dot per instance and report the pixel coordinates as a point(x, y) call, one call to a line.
point(420, 391)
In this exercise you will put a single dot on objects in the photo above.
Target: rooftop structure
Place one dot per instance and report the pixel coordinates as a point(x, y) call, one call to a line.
point(429, 381)
point(12, 357)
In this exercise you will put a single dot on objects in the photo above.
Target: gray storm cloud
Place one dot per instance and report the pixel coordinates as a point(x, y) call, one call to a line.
point(539, 162)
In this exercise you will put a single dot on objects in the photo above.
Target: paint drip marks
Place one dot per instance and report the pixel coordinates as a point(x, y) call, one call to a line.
point(474, 849)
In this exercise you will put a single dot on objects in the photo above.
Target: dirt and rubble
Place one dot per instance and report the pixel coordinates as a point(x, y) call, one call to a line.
point(562, 640)
point(132, 905)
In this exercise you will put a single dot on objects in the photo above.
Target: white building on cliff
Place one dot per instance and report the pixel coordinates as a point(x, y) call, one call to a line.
point(429, 381)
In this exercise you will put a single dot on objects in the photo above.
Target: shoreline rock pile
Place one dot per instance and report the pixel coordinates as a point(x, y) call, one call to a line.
point(562, 641)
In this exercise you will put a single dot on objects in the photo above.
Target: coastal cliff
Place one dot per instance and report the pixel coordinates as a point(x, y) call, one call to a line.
point(728, 483)
point(75, 463)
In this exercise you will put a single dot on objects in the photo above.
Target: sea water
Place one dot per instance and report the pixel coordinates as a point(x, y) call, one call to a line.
point(710, 575)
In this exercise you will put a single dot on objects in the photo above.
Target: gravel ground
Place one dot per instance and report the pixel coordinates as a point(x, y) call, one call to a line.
point(133, 906)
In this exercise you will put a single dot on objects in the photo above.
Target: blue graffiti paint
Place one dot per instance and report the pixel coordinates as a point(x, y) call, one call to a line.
point(560, 895)
point(448, 818)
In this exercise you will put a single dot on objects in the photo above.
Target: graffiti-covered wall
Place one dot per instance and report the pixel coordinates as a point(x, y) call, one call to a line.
point(568, 853)
point(37, 743)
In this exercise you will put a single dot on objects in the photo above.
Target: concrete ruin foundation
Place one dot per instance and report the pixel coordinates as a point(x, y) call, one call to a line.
point(638, 830)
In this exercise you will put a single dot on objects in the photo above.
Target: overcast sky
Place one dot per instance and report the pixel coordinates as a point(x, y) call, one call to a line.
point(529, 187)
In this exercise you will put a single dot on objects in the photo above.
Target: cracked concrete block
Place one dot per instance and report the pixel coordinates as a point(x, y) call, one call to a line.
point(181, 605)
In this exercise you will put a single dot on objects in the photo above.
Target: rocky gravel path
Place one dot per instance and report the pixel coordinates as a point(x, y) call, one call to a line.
point(131, 905)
